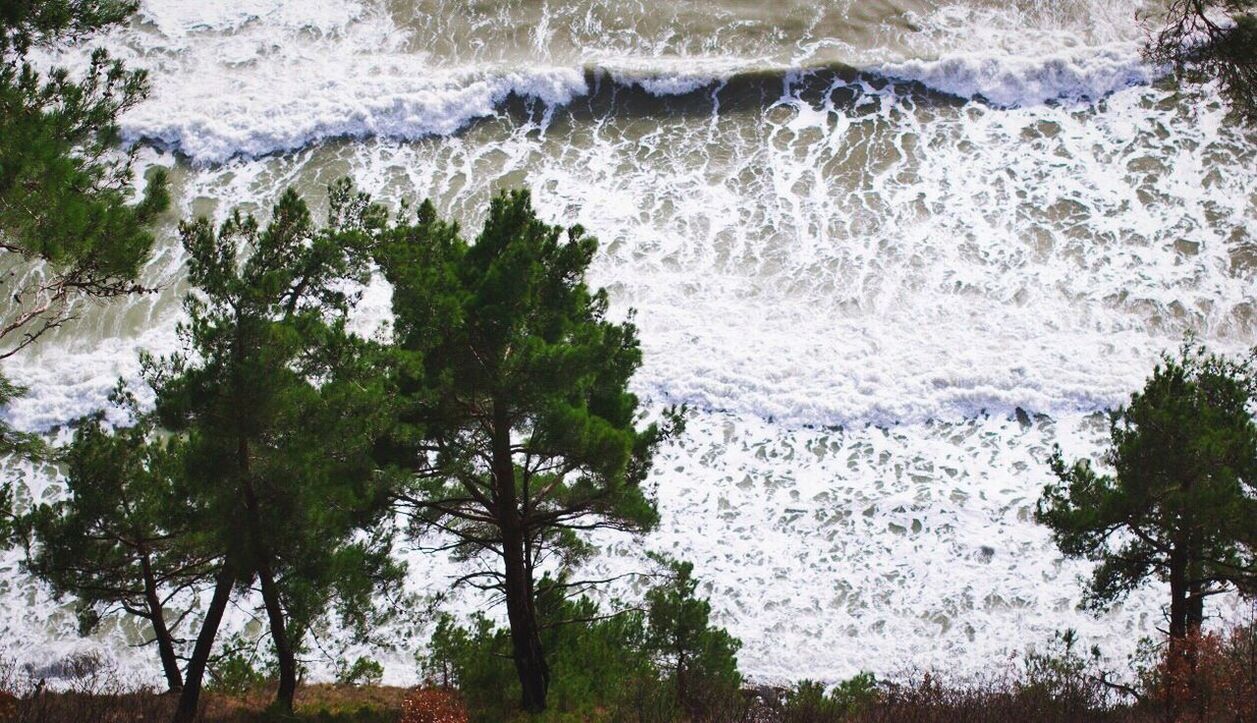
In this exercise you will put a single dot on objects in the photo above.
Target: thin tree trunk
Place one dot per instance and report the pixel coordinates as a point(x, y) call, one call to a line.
point(530, 661)
point(165, 645)
point(1178, 594)
point(270, 591)
point(190, 697)
point(279, 637)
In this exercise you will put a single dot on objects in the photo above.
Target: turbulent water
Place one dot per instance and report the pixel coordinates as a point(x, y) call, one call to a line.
point(858, 234)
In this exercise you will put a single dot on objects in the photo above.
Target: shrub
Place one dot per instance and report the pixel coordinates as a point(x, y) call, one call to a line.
point(1208, 676)
point(237, 670)
point(594, 659)
point(1063, 678)
point(808, 700)
point(476, 660)
point(363, 671)
point(655, 665)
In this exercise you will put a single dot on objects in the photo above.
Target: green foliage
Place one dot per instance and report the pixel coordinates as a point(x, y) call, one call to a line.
point(517, 426)
point(280, 405)
point(701, 661)
point(363, 671)
point(602, 665)
point(64, 190)
point(24, 23)
point(12, 442)
point(1212, 40)
point(238, 669)
point(114, 520)
point(595, 660)
point(476, 660)
point(1180, 503)
point(597, 657)
point(809, 700)
point(28, 446)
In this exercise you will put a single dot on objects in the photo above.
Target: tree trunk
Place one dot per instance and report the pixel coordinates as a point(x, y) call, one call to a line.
point(270, 591)
point(530, 661)
point(1195, 595)
point(190, 697)
point(279, 637)
point(165, 645)
point(1193, 621)
point(1180, 669)
point(1178, 594)
point(1195, 608)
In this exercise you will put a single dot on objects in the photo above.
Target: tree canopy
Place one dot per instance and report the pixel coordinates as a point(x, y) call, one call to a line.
point(1212, 40)
point(518, 427)
point(121, 539)
point(68, 222)
point(1180, 502)
point(279, 407)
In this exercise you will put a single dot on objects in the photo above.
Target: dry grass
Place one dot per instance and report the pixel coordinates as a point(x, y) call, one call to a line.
point(434, 705)
point(333, 704)
point(322, 703)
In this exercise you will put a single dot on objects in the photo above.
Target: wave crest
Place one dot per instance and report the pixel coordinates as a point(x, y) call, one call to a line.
point(397, 97)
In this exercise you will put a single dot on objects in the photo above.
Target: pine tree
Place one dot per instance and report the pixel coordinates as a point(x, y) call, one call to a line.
point(1212, 40)
point(65, 191)
point(1180, 504)
point(120, 539)
point(700, 660)
point(280, 407)
point(519, 428)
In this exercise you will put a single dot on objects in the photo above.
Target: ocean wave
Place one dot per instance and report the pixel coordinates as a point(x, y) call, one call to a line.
point(1006, 81)
point(258, 121)
point(397, 97)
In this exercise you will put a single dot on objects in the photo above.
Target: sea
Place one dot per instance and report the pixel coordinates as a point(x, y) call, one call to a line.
point(889, 253)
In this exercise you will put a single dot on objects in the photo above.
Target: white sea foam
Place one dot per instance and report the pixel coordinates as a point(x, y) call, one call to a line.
point(267, 76)
point(399, 97)
point(184, 19)
point(855, 258)
point(663, 76)
point(381, 97)
point(1084, 75)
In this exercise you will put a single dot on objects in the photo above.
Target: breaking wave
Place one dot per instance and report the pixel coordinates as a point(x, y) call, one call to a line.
point(398, 98)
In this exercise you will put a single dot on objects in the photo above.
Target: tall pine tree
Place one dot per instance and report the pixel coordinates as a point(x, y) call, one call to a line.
point(121, 539)
point(518, 426)
point(1180, 502)
point(280, 406)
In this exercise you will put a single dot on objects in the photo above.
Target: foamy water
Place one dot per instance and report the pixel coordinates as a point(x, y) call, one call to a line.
point(858, 236)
